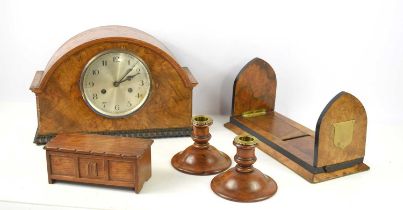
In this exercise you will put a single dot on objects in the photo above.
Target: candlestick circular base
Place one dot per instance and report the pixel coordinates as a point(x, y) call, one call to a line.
point(201, 161)
point(244, 187)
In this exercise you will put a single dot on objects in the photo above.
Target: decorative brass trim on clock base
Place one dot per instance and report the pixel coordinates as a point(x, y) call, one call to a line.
point(148, 133)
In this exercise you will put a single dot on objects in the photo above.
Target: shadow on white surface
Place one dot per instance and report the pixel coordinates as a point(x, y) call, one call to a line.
point(10, 205)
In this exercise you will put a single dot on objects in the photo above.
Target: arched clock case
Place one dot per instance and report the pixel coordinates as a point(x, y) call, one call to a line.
point(113, 80)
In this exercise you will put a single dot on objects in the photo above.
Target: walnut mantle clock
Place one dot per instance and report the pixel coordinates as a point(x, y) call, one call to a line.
point(113, 80)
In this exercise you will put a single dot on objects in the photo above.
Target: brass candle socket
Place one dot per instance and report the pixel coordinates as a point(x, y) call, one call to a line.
point(244, 183)
point(201, 158)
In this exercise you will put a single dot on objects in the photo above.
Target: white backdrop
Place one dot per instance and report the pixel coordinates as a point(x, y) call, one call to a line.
point(317, 48)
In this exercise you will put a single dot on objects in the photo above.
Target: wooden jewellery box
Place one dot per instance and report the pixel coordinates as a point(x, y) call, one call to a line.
point(335, 149)
point(99, 159)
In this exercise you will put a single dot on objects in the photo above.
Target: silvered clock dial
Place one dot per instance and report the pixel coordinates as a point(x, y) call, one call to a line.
point(115, 83)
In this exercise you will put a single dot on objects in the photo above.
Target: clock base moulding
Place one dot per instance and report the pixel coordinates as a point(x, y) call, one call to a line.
point(151, 133)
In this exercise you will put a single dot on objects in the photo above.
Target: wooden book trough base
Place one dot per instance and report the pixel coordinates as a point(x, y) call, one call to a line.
point(335, 149)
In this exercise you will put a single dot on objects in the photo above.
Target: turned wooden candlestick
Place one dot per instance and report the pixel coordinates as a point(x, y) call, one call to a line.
point(201, 158)
point(244, 183)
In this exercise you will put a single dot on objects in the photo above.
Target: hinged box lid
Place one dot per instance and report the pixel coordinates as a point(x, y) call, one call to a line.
point(99, 145)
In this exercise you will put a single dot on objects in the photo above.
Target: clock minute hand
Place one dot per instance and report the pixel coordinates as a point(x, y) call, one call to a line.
point(116, 83)
point(127, 72)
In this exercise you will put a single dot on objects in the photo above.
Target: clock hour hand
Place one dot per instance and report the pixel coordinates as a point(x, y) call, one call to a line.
point(127, 72)
point(128, 78)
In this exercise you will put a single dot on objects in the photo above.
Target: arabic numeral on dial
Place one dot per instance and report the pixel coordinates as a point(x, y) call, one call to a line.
point(142, 83)
point(90, 84)
point(104, 62)
point(128, 62)
point(117, 107)
point(116, 59)
point(139, 95)
point(104, 104)
point(94, 96)
point(129, 104)
point(95, 72)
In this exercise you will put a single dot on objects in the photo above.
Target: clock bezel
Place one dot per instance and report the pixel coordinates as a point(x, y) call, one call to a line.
point(105, 114)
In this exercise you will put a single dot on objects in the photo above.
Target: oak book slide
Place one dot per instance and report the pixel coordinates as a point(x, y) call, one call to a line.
point(335, 149)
